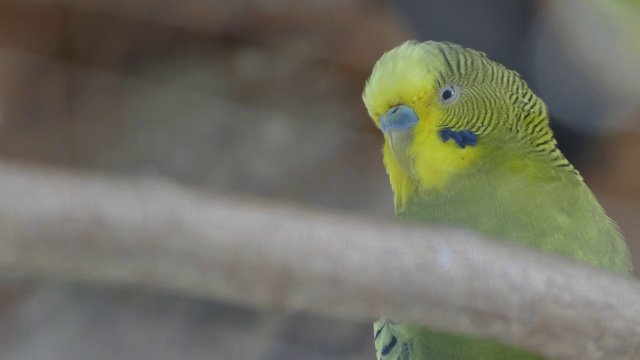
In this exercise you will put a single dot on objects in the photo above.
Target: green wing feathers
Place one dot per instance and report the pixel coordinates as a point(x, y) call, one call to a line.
point(537, 206)
point(405, 342)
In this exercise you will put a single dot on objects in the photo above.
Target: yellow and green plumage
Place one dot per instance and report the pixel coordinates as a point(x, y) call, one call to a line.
point(468, 143)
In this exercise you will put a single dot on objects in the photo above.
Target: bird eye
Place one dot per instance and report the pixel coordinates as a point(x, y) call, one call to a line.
point(449, 94)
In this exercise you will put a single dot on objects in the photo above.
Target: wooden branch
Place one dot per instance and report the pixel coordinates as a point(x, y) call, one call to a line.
point(150, 233)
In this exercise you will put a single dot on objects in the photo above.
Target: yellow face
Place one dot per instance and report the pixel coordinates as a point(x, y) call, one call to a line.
point(404, 77)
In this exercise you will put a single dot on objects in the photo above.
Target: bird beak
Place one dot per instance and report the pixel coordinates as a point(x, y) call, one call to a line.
point(397, 124)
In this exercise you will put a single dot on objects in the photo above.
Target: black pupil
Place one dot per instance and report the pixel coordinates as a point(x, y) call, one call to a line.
point(447, 94)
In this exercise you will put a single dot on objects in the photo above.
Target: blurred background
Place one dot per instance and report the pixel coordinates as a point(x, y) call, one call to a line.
point(263, 97)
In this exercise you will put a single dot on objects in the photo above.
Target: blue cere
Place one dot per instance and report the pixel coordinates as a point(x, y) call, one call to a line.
point(401, 117)
point(463, 138)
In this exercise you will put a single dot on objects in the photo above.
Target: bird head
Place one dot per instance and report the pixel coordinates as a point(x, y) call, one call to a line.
point(440, 106)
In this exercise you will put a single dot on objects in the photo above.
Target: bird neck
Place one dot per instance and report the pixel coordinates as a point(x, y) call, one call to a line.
point(445, 163)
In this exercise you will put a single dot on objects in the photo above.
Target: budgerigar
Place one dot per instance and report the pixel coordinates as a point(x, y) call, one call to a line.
point(468, 143)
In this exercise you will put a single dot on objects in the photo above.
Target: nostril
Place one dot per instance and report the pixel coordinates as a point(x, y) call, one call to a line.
point(395, 109)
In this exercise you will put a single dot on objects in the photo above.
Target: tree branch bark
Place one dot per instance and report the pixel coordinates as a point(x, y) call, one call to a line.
point(151, 233)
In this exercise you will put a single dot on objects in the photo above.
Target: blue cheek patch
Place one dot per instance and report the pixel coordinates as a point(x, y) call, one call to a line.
point(463, 138)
